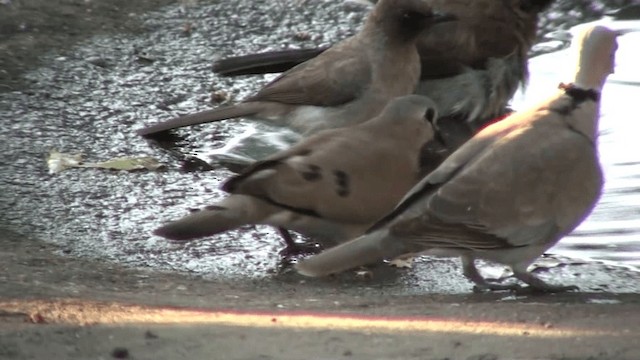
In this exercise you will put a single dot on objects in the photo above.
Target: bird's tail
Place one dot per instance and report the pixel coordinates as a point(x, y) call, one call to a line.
point(221, 113)
point(363, 250)
point(264, 63)
point(231, 213)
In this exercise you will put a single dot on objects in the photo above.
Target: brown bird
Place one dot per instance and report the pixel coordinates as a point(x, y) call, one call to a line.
point(509, 194)
point(470, 67)
point(332, 185)
point(346, 85)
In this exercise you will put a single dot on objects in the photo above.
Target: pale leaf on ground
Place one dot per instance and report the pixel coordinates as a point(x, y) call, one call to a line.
point(127, 163)
point(58, 162)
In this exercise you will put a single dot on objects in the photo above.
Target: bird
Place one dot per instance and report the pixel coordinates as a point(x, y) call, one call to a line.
point(345, 85)
point(332, 185)
point(470, 67)
point(508, 194)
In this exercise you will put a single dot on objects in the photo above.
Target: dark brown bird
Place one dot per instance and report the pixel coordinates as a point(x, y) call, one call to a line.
point(345, 85)
point(508, 194)
point(470, 67)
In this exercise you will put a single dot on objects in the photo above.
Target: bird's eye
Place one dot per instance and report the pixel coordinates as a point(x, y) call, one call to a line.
point(409, 15)
point(430, 115)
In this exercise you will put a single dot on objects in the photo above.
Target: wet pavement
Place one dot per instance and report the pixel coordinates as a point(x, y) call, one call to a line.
point(90, 100)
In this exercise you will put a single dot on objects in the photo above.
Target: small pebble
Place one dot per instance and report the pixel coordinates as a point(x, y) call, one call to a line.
point(219, 96)
point(302, 36)
point(120, 353)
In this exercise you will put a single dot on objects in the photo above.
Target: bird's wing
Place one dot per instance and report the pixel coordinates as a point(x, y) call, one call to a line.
point(466, 154)
point(538, 180)
point(337, 175)
point(266, 62)
point(447, 49)
point(335, 77)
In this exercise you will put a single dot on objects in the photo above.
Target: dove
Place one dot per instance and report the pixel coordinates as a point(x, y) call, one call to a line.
point(508, 194)
point(470, 67)
point(331, 185)
point(345, 85)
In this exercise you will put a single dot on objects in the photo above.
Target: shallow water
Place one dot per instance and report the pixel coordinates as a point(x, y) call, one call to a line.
point(76, 106)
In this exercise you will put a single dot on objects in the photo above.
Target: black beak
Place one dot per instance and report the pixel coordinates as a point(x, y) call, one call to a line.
point(432, 117)
point(440, 17)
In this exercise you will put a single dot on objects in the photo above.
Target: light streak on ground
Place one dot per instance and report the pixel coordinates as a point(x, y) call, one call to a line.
point(82, 312)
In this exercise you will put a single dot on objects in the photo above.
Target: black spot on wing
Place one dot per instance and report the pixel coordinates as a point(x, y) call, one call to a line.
point(342, 183)
point(297, 210)
point(214, 207)
point(232, 184)
point(312, 173)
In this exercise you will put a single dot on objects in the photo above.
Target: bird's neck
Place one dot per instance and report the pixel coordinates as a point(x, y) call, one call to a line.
point(585, 92)
point(592, 71)
point(585, 109)
point(588, 79)
point(390, 32)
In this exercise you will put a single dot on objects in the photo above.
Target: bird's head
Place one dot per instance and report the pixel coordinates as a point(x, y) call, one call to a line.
point(412, 117)
point(404, 20)
point(596, 47)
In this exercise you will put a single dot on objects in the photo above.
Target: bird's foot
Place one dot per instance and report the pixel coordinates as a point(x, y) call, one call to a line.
point(481, 284)
point(296, 250)
point(292, 252)
point(538, 286)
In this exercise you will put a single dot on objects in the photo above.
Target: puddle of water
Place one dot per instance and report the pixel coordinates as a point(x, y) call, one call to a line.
point(74, 106)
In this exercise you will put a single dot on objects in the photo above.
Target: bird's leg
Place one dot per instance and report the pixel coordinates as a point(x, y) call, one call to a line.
point(290, 245)
point(536, 284)
point(481, 284)
point(293, 249)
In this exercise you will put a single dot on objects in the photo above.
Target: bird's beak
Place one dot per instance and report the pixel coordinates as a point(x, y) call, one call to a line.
point(432, 117)
point(440, 17)
point(626, 31)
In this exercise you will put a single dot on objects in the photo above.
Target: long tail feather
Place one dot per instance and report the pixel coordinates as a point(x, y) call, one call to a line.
point(231, 213)
point(364, 250)
point(222, 113)
point(264, 63)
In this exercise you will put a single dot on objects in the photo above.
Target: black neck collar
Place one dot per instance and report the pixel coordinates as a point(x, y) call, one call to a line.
point(579, 94)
